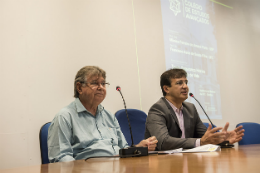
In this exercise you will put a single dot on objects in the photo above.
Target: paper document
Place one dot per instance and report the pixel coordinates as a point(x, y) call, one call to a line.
point(204, 148)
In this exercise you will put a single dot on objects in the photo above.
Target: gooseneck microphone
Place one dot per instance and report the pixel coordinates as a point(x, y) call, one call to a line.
point(132, 151)
point(119, 89)
point(202, 109)
point(224, 144)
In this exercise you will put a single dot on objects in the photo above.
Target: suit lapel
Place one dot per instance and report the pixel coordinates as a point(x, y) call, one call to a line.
point(186, 120)
point(171, 112)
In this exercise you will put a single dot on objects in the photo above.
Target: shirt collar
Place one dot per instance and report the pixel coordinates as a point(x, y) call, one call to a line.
point(81, 108)
point(174, 107)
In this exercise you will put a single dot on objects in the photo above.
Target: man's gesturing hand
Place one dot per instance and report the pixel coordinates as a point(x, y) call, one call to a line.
point(212, 136)
point(151, 143)
point(234, 135)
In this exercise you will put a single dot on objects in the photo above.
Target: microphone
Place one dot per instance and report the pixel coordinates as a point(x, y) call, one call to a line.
point(133, 150)
point(224, 144)
point(119, 89)
point(202, 109)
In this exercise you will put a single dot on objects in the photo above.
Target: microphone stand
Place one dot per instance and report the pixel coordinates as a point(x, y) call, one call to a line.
point(127, 118)
point(224, 144)
point(132, 151)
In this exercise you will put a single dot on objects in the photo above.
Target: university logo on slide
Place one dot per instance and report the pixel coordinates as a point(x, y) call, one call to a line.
point(175, 6)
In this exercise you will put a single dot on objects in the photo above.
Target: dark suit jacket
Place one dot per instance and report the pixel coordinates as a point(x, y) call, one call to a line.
point(163, 123)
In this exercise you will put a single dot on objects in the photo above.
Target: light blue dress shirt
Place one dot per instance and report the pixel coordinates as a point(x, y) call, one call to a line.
point(76, 134)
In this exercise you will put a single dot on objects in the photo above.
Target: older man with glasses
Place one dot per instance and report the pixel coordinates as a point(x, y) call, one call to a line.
point(85, 128)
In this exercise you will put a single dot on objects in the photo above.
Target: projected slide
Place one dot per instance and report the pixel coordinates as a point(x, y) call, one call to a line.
point(190, 44)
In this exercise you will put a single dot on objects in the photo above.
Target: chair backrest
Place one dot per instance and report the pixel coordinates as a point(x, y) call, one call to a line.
point(43, 143)
point(207, 125)
point(137, 120)
point(251, 134)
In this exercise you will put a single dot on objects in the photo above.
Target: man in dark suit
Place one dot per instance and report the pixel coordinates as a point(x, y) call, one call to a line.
point(176, 124)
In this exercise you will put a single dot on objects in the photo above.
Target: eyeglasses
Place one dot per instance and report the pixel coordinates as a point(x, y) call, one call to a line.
point(181, 82)
point(96, 84)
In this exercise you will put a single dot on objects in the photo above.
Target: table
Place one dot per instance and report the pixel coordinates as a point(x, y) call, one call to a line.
point(245, 159)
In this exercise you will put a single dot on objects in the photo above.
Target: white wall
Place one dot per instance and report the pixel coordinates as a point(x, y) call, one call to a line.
point(43, 43)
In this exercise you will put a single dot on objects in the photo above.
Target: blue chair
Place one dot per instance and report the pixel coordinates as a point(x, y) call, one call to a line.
point(251, 134)
point(137, 120)
point(43, 143)
point(207, 125)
